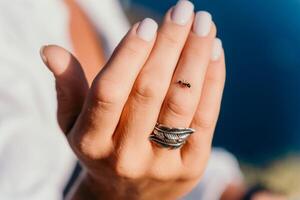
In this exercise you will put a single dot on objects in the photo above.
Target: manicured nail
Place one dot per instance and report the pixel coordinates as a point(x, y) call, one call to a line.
point(44, 58)
point(202, 23)
point(216, 49)
point(147, 29)
point(182, 12)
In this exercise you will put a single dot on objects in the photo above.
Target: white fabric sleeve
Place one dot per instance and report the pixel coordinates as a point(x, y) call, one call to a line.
point(34, 155)
point(222, 170)
point(109, 20)
point(32, 152)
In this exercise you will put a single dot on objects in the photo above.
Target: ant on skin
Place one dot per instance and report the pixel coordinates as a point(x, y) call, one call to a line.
point(184, 83)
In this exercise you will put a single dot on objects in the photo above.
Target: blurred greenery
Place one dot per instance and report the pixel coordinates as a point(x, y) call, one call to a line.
point(282, 175)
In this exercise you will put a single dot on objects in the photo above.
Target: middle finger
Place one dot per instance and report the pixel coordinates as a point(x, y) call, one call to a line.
point(183, 97)
point(185, 90)
point(143, 106)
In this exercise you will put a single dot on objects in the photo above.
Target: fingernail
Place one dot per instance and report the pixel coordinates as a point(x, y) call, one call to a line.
point(182, 12)
point(202, 23)
point(147, 29)
point(216, 49)
point(44, 58)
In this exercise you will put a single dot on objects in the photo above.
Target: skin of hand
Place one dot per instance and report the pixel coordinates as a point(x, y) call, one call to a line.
point(108, 124)
point(234, 191)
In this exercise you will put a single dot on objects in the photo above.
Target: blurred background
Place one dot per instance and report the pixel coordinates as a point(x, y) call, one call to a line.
point(260, 117)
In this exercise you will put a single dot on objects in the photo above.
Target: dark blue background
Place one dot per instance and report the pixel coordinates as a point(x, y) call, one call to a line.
point(260, 116)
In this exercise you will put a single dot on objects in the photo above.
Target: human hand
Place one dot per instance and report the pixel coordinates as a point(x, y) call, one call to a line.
point(108, 124)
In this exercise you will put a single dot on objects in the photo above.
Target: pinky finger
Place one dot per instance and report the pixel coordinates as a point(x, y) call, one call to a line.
point(197, 148)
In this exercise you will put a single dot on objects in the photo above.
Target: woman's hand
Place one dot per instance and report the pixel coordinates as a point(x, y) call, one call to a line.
point(108, 125)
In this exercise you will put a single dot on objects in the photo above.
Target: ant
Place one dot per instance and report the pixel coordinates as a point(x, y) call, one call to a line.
point(184, 83)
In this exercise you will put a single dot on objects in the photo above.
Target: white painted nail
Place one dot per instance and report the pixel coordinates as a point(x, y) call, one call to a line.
point(202, 23)
point(182, 12)
point(147, 29)
point(216, 50)
point(44, 58)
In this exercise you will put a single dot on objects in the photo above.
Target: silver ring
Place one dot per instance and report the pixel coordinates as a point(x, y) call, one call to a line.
point(169, 137)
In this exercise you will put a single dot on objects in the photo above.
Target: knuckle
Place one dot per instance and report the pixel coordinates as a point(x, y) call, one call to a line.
point(128, 169)
point(194, 50)
point(177, 107)
point(169, 39)
point(132, 49)
point(206, 123)
point(106, 93)
point(193, 167)
point(88, 148)
point(90, 153)
point(162, 177)
point(164, 174)
point(146, 90)
point(214, 30)
point(217, 79)
point(192, 174)
point(131, 162)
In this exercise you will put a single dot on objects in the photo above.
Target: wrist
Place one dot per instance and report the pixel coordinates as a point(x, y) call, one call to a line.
point(85, 188)
point(88, 187)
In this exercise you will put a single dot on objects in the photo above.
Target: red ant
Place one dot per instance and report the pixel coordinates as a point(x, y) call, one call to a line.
point(184, 83)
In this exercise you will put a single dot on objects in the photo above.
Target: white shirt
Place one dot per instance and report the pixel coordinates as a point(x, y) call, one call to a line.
point(35, 159)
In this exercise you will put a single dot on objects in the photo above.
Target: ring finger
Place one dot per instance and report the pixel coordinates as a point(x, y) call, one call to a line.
point(143, 105)
point(184, 92)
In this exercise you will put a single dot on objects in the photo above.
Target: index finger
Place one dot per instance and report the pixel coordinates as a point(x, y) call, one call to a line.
point(111, 87)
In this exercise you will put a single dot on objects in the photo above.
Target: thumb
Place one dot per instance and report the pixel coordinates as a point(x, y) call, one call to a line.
point(71, 83)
